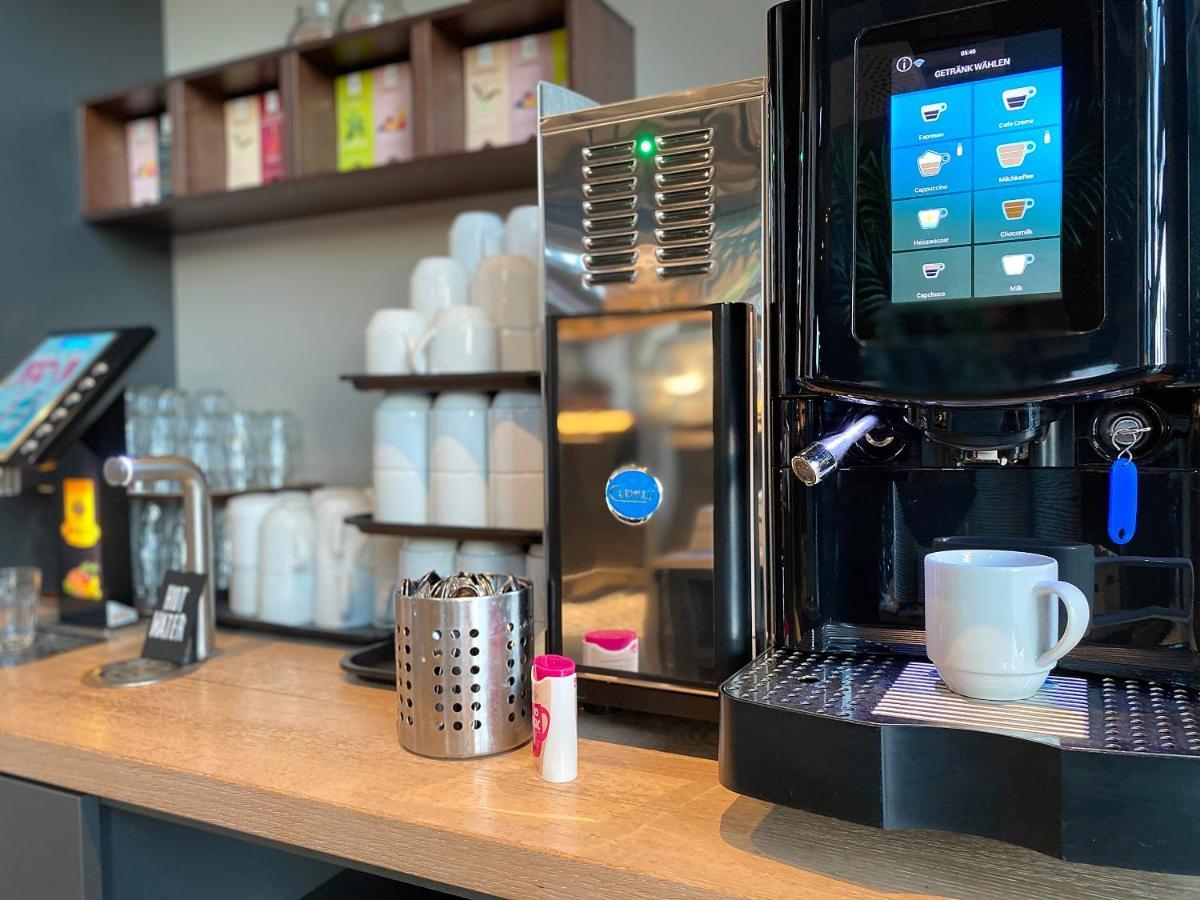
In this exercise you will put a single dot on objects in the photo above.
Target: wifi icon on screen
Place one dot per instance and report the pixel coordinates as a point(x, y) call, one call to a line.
point(918, 62)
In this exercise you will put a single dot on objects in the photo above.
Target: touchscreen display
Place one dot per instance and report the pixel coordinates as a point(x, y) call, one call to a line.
point(29, 392)
point(976, 160)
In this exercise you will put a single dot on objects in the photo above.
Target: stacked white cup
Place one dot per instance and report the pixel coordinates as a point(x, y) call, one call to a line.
point(339, 593)
point(401, 458)
point(286, 561)
point(515, 480)
point(458, 460)
point(506, 286)
point(490, 558)
point(244, 516)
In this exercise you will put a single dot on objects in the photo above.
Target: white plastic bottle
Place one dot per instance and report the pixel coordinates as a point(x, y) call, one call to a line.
point(555, 738)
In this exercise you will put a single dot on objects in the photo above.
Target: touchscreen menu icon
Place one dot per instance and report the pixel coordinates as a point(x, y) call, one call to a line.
point(929, 164)
point(930, 219)
point(1012, 155)
point(1016, 98)
point(931, 112)
point(1014, 210)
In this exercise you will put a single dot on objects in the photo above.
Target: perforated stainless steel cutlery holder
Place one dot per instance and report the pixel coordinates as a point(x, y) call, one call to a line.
point(462, 666)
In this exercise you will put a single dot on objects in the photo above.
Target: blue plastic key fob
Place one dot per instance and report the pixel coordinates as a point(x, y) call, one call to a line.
point(1122, 501)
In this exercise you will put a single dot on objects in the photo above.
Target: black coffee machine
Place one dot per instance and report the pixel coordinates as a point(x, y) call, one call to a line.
point(986, 293)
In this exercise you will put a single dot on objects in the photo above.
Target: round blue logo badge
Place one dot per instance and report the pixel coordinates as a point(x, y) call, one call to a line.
point(633, 495)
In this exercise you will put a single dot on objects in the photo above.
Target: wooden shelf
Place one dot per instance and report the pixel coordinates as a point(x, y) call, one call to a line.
point(433, 384)
point(600, 65)
point(427, 178)
point(368, 525)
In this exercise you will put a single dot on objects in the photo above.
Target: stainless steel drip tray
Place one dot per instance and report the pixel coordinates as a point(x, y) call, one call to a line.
point(50, 640)
point(1086, 713)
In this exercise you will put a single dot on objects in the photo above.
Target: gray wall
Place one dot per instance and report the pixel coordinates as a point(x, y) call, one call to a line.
point(56, 272)
point(274, 313)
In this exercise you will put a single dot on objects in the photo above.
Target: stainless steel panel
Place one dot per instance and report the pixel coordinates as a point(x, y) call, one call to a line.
point(638, 390)
point(693, 158)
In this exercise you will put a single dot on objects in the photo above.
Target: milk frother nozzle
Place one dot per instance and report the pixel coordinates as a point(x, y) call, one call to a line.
point(816, 461)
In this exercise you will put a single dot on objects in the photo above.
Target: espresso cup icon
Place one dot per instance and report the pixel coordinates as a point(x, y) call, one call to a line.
point(1016, 98)
point(1012, 155)
point(932, 270)
point(930, 219)
point(931, 112)
point(1016, 263)
point(1016, 209)
point(930, 163)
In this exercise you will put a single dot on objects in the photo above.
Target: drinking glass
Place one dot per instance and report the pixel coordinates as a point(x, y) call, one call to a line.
point(20, 588)
point(239, 450)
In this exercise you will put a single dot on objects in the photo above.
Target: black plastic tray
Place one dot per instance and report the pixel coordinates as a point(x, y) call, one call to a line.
point(374, 663)
point(357, 636)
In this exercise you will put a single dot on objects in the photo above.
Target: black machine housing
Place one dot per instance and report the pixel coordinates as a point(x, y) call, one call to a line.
point(1000, 419)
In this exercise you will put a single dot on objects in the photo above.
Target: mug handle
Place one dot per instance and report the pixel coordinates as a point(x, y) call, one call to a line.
point(417, 352)
point(1079, 616)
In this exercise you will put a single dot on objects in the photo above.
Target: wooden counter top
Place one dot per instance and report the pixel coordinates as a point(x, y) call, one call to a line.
point(270, 740)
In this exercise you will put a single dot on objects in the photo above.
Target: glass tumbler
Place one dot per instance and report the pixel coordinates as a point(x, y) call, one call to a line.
point(20, 588)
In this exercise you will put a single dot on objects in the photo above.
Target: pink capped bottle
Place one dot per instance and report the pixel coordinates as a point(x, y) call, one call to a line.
point(555, 739)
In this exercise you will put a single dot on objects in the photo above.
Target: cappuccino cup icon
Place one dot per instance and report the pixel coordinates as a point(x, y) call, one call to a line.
point(1012, 155)
point(931, 112)
point(930, 163)
point(932, 270)
point(929, 219)
point(1016, 209)
point(1016, 263)
point(1016, 98)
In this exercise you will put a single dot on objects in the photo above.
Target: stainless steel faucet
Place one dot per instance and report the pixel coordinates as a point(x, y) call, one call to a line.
point(121, 471)
point(819, 459)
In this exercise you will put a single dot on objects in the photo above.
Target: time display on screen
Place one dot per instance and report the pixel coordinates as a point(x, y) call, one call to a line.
point(976, 171)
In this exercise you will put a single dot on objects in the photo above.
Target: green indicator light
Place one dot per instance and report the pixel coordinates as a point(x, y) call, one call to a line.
point(646, 146)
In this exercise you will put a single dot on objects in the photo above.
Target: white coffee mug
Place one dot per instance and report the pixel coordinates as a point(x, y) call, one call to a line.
point(458, 426)
point(285, 567)
point(991, 620)
point(490, 558)
point(474, 236)
point(523, 233)
point(519, 350)
point(461, 339)
point(437, 282)
point(391, 336)
point(506, 286)
point(422, 555)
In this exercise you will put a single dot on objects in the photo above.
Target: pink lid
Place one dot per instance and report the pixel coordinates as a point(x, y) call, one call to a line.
point(611, 638)
point(551, 665)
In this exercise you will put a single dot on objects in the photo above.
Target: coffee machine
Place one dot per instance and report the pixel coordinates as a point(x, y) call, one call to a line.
point(654, 272)
point(984, 295)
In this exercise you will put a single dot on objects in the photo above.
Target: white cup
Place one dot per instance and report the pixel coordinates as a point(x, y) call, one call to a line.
point(337, 549)
point(422, 555)
point(458, 498)
point(385, 554)
point(991, 620)
point(515, 432)
point(285, 570)
point(402, 496)
point(519, 350)
point(506, 286)
point(490, 558)
point(437, 282)
point(402, 432)
point(461, 339)
point(523, 233)
point(244, 517)
point(474, 236)
point(516, 500)
point(391, 336)
point(459, 433)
